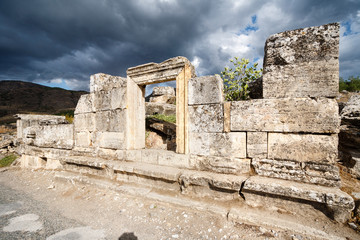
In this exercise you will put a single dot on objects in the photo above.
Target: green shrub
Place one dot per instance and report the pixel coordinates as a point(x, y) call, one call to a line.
point(237, 79)
point(351, 85)
point(8, 160)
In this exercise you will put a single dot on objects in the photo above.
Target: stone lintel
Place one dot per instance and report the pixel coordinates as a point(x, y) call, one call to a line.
point(159, 72)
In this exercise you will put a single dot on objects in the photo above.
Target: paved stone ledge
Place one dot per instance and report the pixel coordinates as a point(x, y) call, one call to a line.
point(323, 174)
point(340, 203)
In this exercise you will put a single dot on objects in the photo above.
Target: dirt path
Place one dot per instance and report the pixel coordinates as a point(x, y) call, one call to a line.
point(106, 214)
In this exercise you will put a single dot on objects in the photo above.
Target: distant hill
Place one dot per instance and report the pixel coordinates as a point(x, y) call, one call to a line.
point(26, 97)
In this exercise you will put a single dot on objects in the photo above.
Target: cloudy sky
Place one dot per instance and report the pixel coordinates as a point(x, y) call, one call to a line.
point(62, 42)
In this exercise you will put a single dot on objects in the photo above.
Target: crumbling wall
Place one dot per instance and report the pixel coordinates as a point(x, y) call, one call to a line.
point(106, 117)
point(290, 134)
point(42, 139)
point(278, 149)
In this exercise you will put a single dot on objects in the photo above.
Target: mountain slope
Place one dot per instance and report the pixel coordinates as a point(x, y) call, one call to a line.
point(26, 97)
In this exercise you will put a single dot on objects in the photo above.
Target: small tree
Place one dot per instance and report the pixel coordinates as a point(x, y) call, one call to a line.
point(237, 79)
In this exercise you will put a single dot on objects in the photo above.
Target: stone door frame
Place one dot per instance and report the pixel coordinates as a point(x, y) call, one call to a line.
point(180, 70)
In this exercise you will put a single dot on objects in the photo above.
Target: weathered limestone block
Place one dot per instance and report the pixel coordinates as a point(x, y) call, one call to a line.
point(338, 202)
point(160, 108)
point(159, 72)
point(224, 165)
point(85, 104)
point(160, 91)
point(112, 140)
point(110, 100)
point(322, 174)
point(302, 62)
point(55, 136)
point(163, 99)
point(110, 154)
point(111, 121)
point(350, 114)
point(105, 82)
point(286, 115)
point(256, 144)
point(84, 122)
point(149, 156)
point(206, 118)
point(205, 90)
point(303, 147)
point(218, 144)
point(27, 161)
point(170, 158)
point(135, 112)
point(28, 120)
point(83, 139)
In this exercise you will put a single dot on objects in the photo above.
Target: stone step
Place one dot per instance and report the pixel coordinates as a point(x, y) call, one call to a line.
point(339, 203)
point(253, 190)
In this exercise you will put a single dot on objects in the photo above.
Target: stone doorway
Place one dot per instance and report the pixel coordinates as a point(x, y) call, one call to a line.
point(178, 69)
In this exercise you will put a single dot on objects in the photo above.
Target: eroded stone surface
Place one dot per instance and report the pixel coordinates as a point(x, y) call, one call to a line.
point(160, 91)
point(256, 144)
point(105, 82)
point(225, 165)
point(300, 62)
point(159, 72)
point(153, 108)
point(323, 174)
point(303, 147)
point(218, 144)
point(205, 90)
point(340, 203)
point(286, 115)
point(206, 118)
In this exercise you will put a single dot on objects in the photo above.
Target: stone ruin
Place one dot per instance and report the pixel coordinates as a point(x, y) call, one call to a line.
point(277, 151)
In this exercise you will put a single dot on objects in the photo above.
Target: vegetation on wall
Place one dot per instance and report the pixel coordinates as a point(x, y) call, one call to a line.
point(352, 84)
point(237, 79)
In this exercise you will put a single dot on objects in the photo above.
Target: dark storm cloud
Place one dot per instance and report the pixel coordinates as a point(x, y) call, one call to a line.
point(42, 40)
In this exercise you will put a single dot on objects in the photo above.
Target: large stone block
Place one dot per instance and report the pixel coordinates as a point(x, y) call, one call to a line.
point(169, 158)
point(303, 147)
point(111, 121)
point(322, 174)
point(218, 144)
point(105, 82)
point(286, 115)
point(83, 139)
point(302, 62)
point(111, 140)
point(206, 118)
point(256, 144)
point(85, 104)
point(160, 91)
point(224, 165)
point(84, 122)
point(152, 108)
point(205, 90)
point(110, 100)
point(55, 136)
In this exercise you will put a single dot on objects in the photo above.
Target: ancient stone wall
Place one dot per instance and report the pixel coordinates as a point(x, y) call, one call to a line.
point(292, 132)
point(288, 139)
